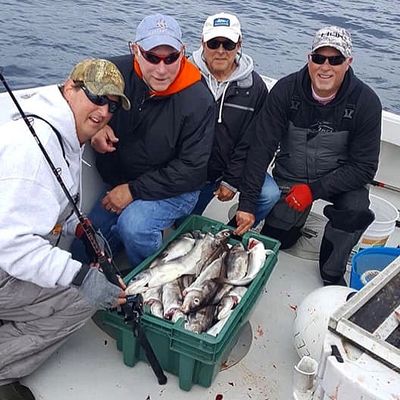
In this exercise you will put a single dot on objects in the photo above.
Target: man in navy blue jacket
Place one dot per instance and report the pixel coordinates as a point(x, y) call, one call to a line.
point(156, 170)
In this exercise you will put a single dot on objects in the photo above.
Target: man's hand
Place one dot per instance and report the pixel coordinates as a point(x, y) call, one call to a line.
point(299, 197)
point(223, 193)
point(98, 291)
point(117, 199)
point(104, 141)
point(244, 222)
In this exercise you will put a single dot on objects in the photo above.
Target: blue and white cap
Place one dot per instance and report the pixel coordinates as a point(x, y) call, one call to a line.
point(333, 36)
point(159, 30)
point(222, 25)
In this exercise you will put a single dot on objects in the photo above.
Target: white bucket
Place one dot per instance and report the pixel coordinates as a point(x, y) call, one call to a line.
point(377, 234)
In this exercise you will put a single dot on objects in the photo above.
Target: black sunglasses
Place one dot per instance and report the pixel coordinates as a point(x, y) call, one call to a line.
point(332, 60)
point(113, 106)
point(213, 44)
point(155, 59)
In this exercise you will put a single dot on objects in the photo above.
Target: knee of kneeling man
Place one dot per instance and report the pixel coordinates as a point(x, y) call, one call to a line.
point(130, 227)
point(349, 220)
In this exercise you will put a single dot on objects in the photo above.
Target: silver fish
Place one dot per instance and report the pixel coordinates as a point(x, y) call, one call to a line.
point(171, 298)
point(152, 298)
point(201, 320)
point(186, 280)
point(178, 247)
point(222, 291)
point(177, 315)
point(257, 257)
point(229, 301)
point(198, 297)
point(215, 329)
point(156, 309)
point(203, 289)
point(237, 262)
point(204, 249)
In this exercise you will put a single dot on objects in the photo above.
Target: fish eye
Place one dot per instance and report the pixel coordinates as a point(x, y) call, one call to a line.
point(196, 301)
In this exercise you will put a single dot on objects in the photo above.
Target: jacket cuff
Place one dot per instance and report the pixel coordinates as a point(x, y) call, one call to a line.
point(247, 206)
point(81, 275)
point(317, 190)
point(131, 186)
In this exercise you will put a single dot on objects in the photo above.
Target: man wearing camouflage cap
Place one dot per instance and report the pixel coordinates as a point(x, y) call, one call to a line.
point(45, 295)
point(327, 123)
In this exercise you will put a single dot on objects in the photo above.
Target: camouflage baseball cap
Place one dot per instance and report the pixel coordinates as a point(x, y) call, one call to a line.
point(101, 77)
point(333, 36)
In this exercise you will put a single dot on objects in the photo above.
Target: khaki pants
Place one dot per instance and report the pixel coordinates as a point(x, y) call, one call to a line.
point(36, 321)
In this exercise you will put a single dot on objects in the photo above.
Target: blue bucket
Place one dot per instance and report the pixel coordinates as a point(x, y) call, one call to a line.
point(367, 263)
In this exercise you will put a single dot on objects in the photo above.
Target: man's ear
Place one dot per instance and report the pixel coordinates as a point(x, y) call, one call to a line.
point(68, 88)
point(349, 61)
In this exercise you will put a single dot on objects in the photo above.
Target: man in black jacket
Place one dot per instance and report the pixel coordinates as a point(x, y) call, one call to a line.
point(157, 168)
point(328, 125)
point(239, 93)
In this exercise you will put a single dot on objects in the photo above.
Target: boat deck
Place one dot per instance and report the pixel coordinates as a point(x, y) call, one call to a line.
point(90, 366)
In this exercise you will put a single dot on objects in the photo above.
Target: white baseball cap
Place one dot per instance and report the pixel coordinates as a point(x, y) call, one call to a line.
point(222, 25)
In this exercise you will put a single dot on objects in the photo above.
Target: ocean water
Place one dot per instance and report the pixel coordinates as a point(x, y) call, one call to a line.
point(40, 40)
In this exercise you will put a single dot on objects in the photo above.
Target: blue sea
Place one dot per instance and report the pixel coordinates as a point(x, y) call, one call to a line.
point(40, 40)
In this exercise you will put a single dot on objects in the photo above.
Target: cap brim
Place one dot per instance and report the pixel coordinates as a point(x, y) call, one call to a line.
point(338, 48)
point(160, 40)
point(221, 32)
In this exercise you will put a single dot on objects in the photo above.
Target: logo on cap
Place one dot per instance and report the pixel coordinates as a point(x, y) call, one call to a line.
point(162, 24)
point(222, 22)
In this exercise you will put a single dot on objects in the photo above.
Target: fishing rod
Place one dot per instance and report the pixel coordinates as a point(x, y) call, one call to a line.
point(133, 308)
point(86, 225)
point(385, 186)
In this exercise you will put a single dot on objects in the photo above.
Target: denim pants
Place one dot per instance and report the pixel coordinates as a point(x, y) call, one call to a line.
point(139, 227)
point(269, 196)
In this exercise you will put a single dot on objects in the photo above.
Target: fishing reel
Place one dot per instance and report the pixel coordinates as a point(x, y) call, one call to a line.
point(132, 310)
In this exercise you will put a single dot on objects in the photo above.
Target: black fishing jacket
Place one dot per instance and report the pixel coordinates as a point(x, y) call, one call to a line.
point(334, 147)
point(241, 103)
point(164, 142)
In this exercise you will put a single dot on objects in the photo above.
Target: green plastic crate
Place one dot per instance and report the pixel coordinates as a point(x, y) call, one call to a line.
point(194, 358)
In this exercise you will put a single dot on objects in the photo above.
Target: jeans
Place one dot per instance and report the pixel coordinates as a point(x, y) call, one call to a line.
point(269, 196)
point(139, 227)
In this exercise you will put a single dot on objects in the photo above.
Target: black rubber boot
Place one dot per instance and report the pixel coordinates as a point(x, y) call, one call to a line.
point(335, 250)
point(15, 391)
point(342, 233)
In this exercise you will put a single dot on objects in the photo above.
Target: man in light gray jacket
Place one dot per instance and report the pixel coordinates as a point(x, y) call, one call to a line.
point(45, 295)
point(239, 93)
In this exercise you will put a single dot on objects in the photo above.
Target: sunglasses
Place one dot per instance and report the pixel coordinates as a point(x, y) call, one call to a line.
point(155, 59)
point(332, 60)
point(213, 44)
point(113, 106)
